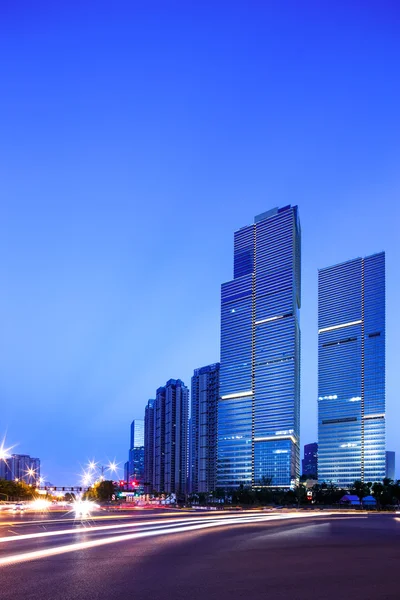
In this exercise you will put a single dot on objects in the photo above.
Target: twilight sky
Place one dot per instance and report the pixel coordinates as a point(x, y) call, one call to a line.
point(136, 137)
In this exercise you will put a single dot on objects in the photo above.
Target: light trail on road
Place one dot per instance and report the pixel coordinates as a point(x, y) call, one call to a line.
point(108, 517)
point(89, 528)
point(156, 528)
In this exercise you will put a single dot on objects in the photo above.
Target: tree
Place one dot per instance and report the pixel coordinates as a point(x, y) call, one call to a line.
point(361, 489)
point(300, 493)
point(395, 487)
point(16, 490)
point(102, 491)
point(105, 490)
point(377, 490)
point(327, 493)
point(385, 492)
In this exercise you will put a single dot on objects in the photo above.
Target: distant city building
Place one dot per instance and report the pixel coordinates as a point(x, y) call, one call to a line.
point(21, 467)
point(136, 455)
point(351, 371)
point(259, 405)
point(171, 410)
point(310, 461)
point(126, 471)
point(159, 440)
point(390, 464)
point(149, 485)
point(190, 458)
point(203, 429)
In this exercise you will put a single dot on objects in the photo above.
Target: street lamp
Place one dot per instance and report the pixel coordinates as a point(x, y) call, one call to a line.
point(95, 473)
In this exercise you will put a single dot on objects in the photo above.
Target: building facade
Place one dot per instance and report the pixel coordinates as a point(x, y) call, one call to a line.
point(351, 371)
point(310, 461)
point(149, 447)
point(159, 441)
point(259, 404)
point(390, 467)
point(203, 429)
point(136, 455)
point(20, 467)
point(171, 414)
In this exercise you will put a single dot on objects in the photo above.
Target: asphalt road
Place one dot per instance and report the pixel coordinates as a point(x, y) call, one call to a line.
point(180, 556)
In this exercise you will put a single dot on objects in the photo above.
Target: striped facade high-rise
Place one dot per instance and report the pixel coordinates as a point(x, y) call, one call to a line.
point(259, 406)
point(203, 429)
point(351, 371)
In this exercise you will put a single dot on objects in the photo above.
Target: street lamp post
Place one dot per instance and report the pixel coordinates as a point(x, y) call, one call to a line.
point(96, 473)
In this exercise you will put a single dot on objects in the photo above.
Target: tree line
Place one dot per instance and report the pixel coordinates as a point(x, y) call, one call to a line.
point(386, 493)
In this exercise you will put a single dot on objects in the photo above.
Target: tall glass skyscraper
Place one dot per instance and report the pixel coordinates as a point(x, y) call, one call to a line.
point(259, 404)
point(203, 428)
point(351, 371)
point(136, 454)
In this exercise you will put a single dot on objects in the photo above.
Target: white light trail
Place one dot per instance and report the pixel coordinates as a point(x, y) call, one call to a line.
point(165, 530)
point(86, 529)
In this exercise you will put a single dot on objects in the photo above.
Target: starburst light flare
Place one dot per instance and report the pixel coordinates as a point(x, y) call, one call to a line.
point(5, 452)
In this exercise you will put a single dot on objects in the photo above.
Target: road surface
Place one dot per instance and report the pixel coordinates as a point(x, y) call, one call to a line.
point(186, 556)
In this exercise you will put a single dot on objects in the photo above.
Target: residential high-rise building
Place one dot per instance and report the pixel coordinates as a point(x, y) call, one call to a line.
point(171, 412)
point(159, 441)
point(190, 457)
point(351, 371)
point(21, 467)
point(259, 405)
point(149, 447)
point(203, 429)
point(310, 461)
point(390, 464)
point(136, 455)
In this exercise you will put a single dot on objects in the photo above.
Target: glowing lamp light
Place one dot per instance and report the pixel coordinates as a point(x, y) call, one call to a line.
point(113, 467)
point(5, 452)
point(40, 504)
point(87, 479)
point(84, 508)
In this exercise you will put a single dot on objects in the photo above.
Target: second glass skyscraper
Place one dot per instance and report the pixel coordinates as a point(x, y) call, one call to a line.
point(351, 366)
point(259, 405)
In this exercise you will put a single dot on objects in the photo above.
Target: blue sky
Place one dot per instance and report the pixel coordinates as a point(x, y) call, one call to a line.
point(136, 137)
